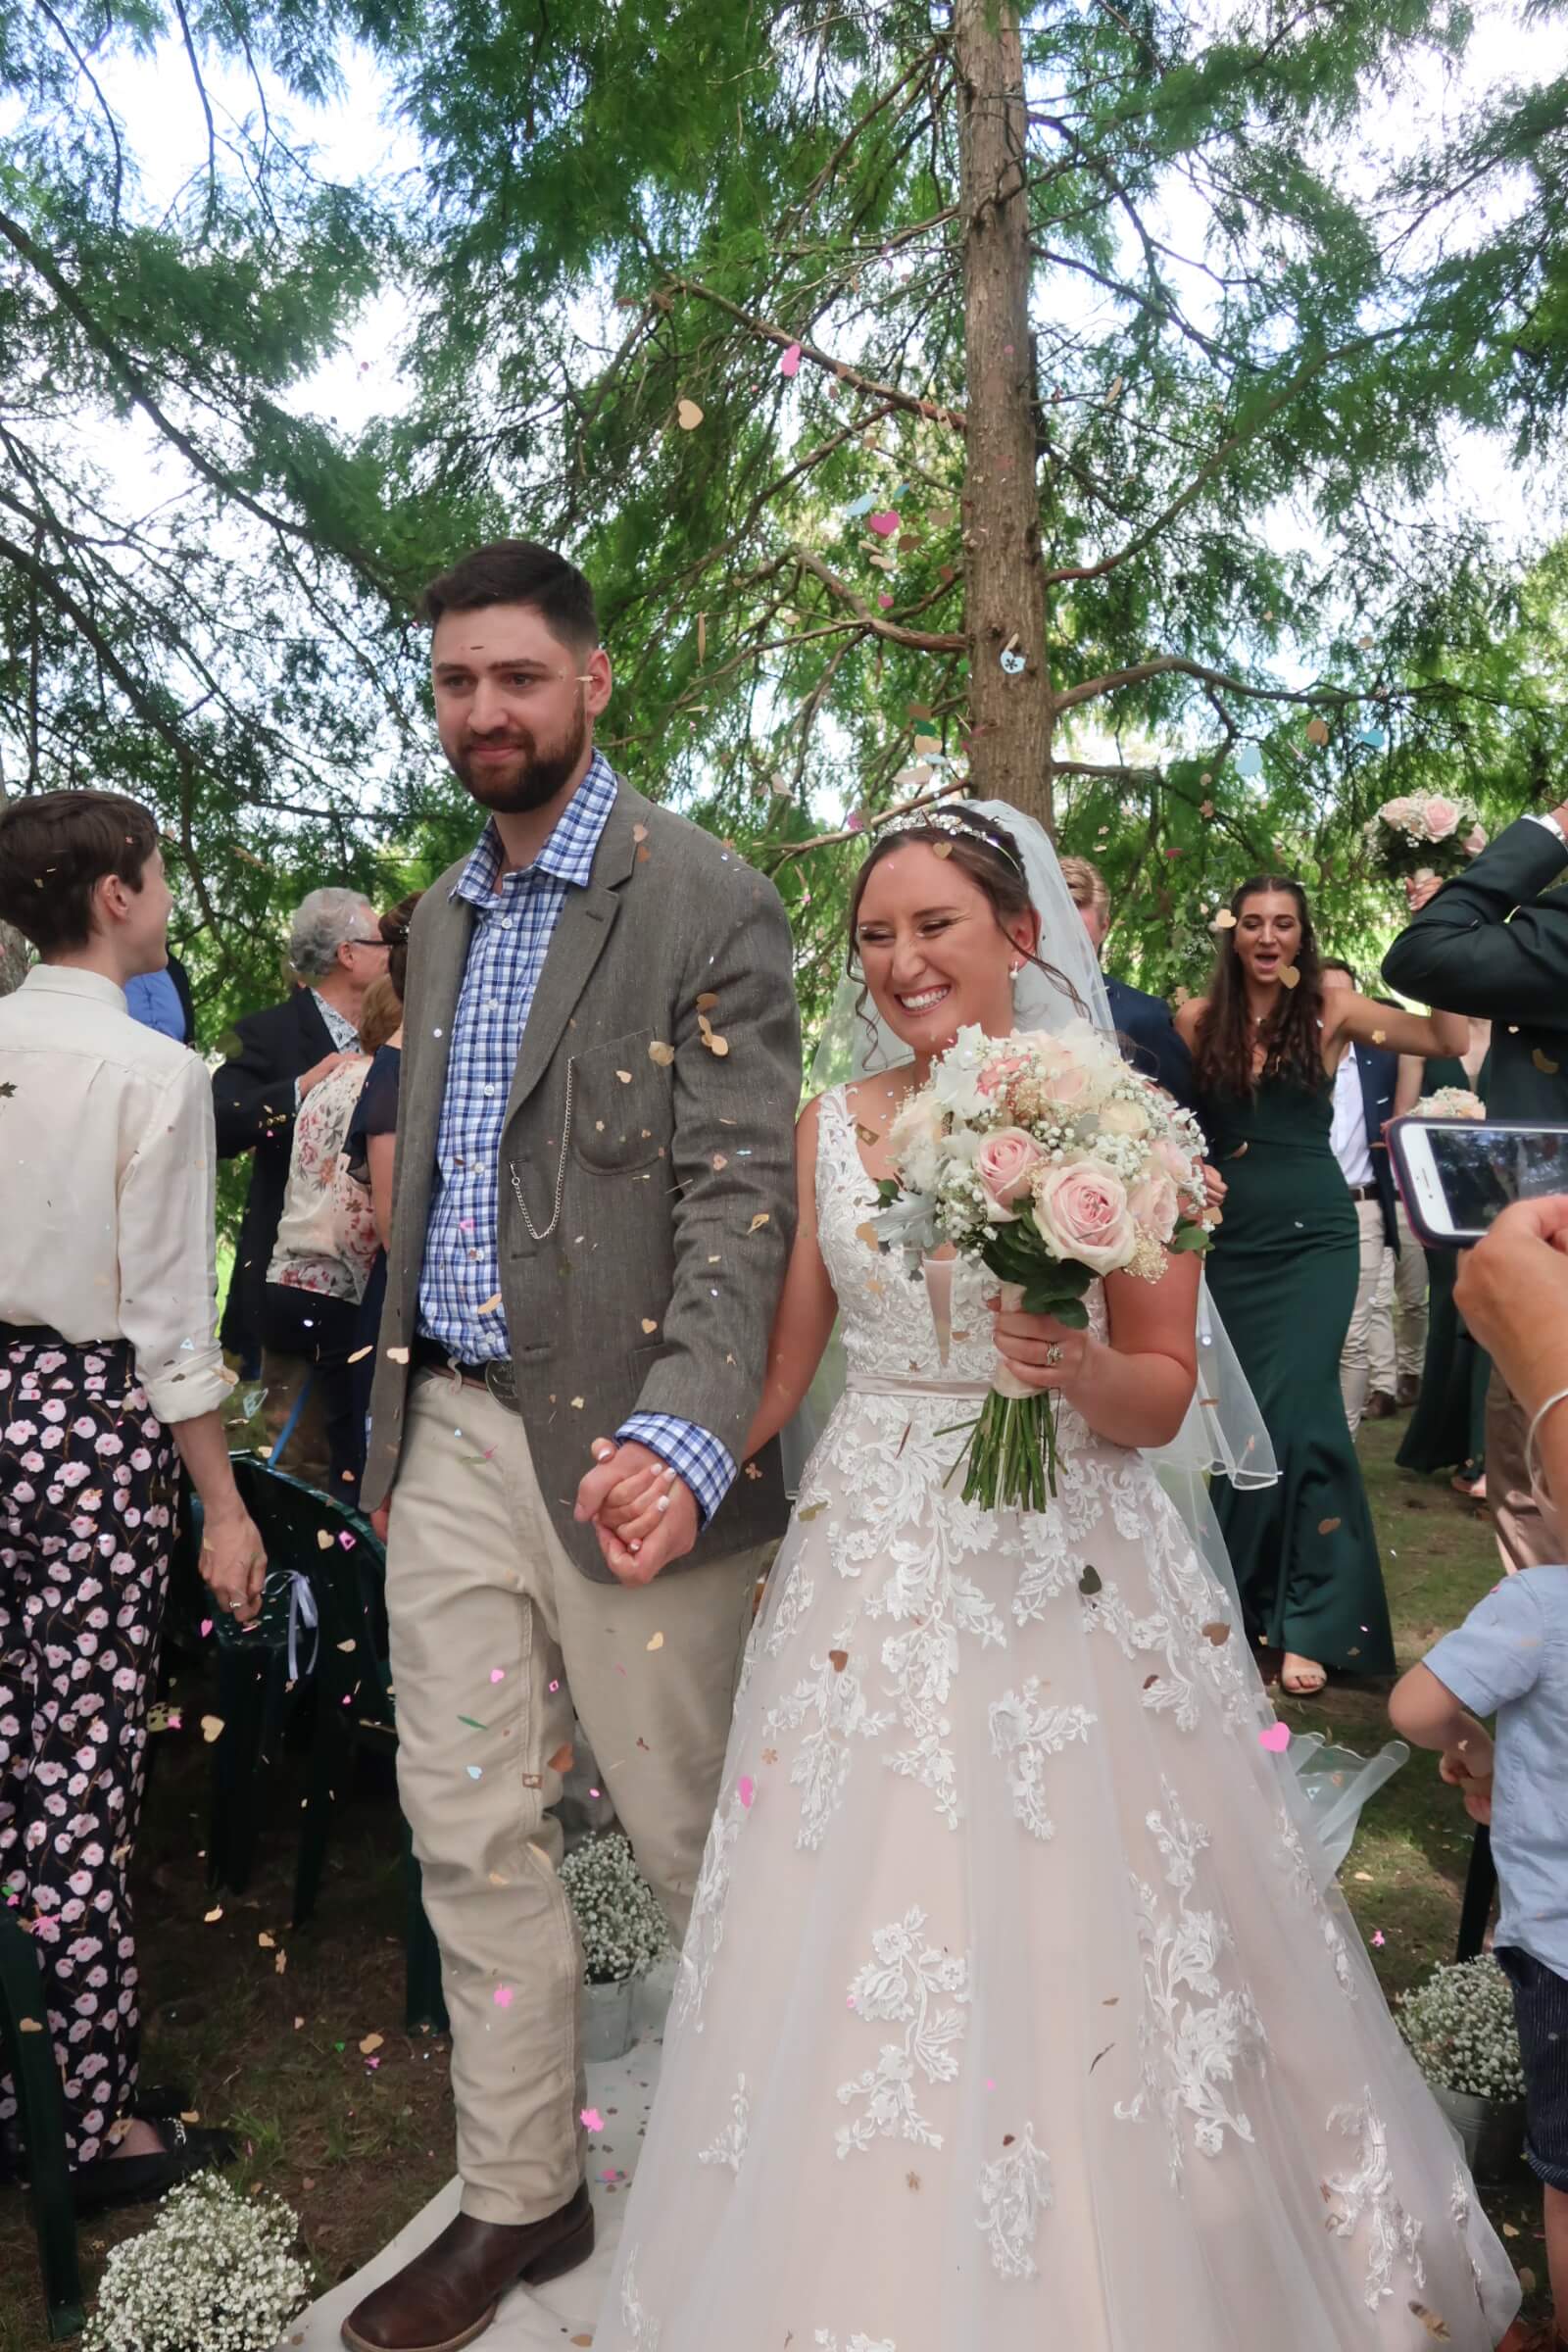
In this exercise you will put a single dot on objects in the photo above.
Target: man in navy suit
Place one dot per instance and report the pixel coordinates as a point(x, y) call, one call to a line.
point(1143, 1022)
point(1363, 1104)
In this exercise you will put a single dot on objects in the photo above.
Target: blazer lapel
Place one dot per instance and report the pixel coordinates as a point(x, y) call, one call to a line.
point(435, 977)
point(586, 921)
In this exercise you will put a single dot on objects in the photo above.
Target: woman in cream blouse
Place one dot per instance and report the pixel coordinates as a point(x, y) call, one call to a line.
point(109, 1366)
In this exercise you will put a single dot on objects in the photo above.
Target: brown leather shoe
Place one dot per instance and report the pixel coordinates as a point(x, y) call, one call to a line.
point(450, 2293)
point(1410, 1392)
point(1380, 1406)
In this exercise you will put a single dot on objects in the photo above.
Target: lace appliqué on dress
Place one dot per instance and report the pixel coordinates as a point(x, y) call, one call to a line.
point(1192, 2048)
point(1367, 2193)
point(706, 1931)
point(902, 1985)
point(730, 2148)
point(1025, 1733)
point(1015, 2191)
point(642, 2330)
point(829, 2342)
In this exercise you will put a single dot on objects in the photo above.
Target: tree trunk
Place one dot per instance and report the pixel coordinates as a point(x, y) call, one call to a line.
point(1009, 709)
point(12, 958)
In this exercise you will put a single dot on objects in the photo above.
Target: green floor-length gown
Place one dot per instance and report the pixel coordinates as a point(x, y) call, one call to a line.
point(1447, 1428)
point(1284, 1271)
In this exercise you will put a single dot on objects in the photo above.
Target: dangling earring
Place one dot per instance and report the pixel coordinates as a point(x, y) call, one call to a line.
point(1015, 970)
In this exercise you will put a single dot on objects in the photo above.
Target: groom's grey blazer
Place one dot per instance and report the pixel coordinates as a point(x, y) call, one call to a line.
point(657, 1288)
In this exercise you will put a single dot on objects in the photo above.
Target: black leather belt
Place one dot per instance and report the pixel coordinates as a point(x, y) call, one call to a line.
point(498, 1375)
point(1364, 1192)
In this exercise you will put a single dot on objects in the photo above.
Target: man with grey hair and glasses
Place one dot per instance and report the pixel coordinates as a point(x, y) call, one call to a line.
point(276, 1057)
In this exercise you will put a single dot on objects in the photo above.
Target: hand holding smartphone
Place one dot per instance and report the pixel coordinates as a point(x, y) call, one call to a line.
point(1455, 1176)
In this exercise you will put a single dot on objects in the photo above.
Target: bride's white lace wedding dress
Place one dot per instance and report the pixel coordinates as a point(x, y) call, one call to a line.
point(1010, 2014)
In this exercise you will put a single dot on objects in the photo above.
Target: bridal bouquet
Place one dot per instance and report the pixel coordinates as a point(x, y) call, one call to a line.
point(1449, 1103)
point(1424, 834)
point(1048, 1160)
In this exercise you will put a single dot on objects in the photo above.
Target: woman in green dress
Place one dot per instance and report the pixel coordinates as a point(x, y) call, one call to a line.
point(1447, 1428)
point(1265, 1044)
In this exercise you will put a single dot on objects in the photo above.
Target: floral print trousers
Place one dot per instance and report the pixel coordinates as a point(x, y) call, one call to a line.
point(86, 1515)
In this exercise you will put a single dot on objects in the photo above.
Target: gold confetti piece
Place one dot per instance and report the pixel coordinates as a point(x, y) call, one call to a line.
point(813, 1510)
point(1544, 1063)
point(716, 1045)
point(1224, 920)
point(279, 1964)
point(760, 1219)
point(866, 1233)
point(1239, 1152)
point(708, 1001)
point(639, 832)
point(1290, 976)
point(398, 1355)
point(1327, 1527)
point(1509, 2229)
point(216, 1912)
point(1431, 2323)
point(1380, 1036)
point(838, 1659)
point(688, 416)
point(30, 2024)
point(657, 1642)
point(492, 1304)
point(941, 849)
point(1217, 1633)
point(1364, 1877)
point(371, 2041)
point(1526, 2280)
point(624, 1076)
point(297, 2022)
point(265, 1941)
point(212, 1728)
point(661, 1053)
point(702, 636)
point(578, 1404)
point(347, 1648)
point(359, 1353)
point(1317, 730)
point(563, 1758)
point(721, 1160)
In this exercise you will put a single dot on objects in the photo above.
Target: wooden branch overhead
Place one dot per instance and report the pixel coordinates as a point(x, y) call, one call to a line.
point(932, 410)
point(924, 641)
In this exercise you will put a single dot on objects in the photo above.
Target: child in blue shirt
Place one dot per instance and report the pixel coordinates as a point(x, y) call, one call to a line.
point(1510, 1658)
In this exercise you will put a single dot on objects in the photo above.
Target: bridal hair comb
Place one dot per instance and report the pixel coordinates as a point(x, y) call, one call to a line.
point(959, 825)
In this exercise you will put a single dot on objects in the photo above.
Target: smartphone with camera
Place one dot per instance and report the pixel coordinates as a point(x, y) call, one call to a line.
point(1455, 1175)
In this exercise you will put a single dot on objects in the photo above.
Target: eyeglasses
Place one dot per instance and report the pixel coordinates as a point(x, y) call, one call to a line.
point(356, 941)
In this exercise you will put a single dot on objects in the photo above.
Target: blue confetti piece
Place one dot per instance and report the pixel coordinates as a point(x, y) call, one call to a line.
point(860, 506)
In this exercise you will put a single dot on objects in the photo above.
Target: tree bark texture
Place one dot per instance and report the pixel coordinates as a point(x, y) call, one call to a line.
point(1009, 707)
point(12, 958)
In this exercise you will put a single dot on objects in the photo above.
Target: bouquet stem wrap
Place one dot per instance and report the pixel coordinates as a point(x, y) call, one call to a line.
point(1011, 1461)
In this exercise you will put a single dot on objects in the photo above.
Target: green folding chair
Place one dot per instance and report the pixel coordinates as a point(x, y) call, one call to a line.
point(312, 1536)
point(29, 2060)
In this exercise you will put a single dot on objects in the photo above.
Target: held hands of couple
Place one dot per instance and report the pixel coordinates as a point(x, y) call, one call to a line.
point(644, 1513)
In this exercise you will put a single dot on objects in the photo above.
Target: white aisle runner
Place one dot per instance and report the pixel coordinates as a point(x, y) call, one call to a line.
point(565, 2311)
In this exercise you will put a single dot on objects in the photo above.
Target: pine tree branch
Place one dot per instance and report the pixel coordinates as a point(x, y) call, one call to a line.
point(1177, 665)
point(933, 410)
point(104, 108)
point(879, 106)
point(201, 92)
point(924, 641)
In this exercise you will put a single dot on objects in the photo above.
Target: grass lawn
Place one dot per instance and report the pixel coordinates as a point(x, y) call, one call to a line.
point(267, 2036)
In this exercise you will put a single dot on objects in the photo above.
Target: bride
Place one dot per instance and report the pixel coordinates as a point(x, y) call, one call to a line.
point(1011, 2012)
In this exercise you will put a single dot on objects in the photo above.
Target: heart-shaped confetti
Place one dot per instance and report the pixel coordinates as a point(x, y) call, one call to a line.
point(884, 523)
point(498, 1674)
point(688, 416)
point(746, 1789)
point(1249, 761)
point(1277, 1739)
point(657, 1642)
point(1013, 664)
point(503, 1996)
point(593, 2120)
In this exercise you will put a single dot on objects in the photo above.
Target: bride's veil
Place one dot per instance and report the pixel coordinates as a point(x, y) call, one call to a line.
point(1223, 1435)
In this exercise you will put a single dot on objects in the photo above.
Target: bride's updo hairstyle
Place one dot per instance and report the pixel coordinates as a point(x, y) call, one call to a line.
point(980, 848)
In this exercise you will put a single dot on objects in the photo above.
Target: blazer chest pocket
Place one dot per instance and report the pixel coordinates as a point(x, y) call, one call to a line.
point(623, 1107)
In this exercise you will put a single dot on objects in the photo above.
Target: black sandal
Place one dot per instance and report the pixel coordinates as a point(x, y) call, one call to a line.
point(139, 2180)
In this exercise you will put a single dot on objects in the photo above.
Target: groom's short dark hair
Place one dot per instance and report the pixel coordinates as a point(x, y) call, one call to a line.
point(519, 571)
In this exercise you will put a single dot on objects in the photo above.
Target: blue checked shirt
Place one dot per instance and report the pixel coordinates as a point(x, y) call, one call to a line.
point(512, 928)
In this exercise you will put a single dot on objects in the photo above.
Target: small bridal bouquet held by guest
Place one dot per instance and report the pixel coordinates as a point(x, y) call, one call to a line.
point(1047, 1159)
point(1449, 1103)
point(1422, 835)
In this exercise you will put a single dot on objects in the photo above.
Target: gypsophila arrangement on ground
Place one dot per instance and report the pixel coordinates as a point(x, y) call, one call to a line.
point(1051, 1162)
point(622, 1928)
point(216, 2272)
point(1449, 1103)
point(1460, 2029)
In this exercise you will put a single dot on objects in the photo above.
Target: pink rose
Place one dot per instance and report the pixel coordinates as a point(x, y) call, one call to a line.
point(1062, 1073)
point(1177, 1164)
point(1006, 1162)
point(1156, 1206)
point(1474, 841)
point(1082, 1212)
point(1441, 817)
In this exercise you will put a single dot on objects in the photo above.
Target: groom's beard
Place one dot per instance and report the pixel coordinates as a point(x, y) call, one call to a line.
point(532, 776)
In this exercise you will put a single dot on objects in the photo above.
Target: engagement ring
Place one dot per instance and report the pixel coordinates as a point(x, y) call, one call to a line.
point(1053, 1353)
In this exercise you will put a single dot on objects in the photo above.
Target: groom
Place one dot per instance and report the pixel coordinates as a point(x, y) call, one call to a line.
point(593, 1203)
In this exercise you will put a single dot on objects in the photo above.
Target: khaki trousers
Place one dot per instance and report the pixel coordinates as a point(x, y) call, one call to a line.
point(1356, 1360)
point(1522, 1516)
point(499, 1644)
point(1404, 1280)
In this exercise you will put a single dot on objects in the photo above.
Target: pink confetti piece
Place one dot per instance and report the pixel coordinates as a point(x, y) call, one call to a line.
point(1277, 1739)
point(593, 2120)
point(503, 1996)
point(498, 1674)
point(746, 1789)
point(371, 2064)
point(884, 524)
point(207, 1627)
point(347, 1541)
point(788, 363)
point(885, 601)
point(1379, 1938)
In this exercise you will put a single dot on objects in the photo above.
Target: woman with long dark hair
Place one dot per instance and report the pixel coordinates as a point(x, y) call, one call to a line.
point(1266, 1043)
